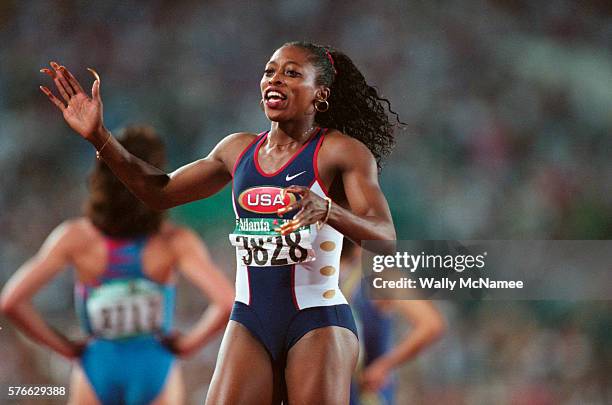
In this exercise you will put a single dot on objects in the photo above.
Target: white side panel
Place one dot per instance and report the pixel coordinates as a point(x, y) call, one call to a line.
point(242, 282)
point(316, 282)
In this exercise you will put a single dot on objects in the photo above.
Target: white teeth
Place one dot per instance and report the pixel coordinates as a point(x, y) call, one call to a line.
point(275, 94)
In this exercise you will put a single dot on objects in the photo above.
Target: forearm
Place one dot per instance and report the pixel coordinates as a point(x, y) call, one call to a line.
point(213, 320)
point(29, 321)
point(143, 179)
point(359, 228)
point(413, 344)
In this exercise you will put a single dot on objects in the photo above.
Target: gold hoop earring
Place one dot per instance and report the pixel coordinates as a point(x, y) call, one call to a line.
point(317, 105)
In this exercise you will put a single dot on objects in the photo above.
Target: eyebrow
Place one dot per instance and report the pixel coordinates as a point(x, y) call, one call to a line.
point(286, 63)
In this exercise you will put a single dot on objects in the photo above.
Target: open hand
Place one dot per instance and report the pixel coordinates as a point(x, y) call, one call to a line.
point(82, 113)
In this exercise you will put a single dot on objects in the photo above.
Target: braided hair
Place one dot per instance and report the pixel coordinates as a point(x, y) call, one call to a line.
point(355, 108)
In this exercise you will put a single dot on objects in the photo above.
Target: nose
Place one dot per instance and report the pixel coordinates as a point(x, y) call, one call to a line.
point(275, 78)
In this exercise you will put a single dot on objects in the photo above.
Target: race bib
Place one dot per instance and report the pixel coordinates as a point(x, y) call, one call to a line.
point(124, 308)
point(258, 244)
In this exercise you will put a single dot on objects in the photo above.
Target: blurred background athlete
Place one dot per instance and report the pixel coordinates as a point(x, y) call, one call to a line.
point(318, 164)
point(125, 256)
point(374, 382)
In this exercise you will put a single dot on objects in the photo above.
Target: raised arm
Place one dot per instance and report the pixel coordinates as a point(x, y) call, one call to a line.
point(15, 300)
point(197, 266)
point(159, 190)
point(194, 181)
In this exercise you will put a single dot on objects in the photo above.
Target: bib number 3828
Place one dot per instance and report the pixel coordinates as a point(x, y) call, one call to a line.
point(278, 250)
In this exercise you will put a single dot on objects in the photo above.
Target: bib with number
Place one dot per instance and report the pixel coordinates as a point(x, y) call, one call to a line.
point(258, 244)
point(124, 308)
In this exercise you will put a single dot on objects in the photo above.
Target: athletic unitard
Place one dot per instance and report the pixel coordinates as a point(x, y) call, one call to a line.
point(124, 312)
point(287, 285)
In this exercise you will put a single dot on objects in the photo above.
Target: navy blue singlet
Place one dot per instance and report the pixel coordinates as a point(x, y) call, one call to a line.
point(285, 286)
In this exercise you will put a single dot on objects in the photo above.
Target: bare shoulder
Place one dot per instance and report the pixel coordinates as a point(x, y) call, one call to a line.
point(237, 139)
point(78, 228)
point(235, 142)
point(230, 147)
point(73, 234)
point(344, 149)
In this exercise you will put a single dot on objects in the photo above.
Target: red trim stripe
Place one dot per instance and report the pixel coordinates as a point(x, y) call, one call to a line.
point(284, 166)
point(236, 165)
point(245, 150)
point(315, 163)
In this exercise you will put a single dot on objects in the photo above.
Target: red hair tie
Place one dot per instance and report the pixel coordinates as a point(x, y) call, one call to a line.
point(331, 60)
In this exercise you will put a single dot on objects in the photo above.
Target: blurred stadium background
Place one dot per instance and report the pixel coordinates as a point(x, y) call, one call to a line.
point(509, 112)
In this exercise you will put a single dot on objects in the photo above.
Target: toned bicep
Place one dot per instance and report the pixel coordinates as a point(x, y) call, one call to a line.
point(363, 193)
point(50, 260)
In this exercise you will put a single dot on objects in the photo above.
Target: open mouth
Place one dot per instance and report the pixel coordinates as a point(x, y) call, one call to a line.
point(274, 99)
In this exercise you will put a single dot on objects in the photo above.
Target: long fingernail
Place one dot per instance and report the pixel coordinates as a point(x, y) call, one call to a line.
point(96, 75)
point(54, 65)
point(44, 89)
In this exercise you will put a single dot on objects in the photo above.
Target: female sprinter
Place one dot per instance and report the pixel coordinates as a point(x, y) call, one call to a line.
point(297, 188)
point(124, 255)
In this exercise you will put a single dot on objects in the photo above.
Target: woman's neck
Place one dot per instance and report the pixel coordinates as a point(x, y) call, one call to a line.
point(290, 132)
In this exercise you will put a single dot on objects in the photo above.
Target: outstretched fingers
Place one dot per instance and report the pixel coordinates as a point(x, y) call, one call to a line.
point(59, 75)
point(52, 97)
point(74, 83)
point(60, 82)
point(67, 85)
